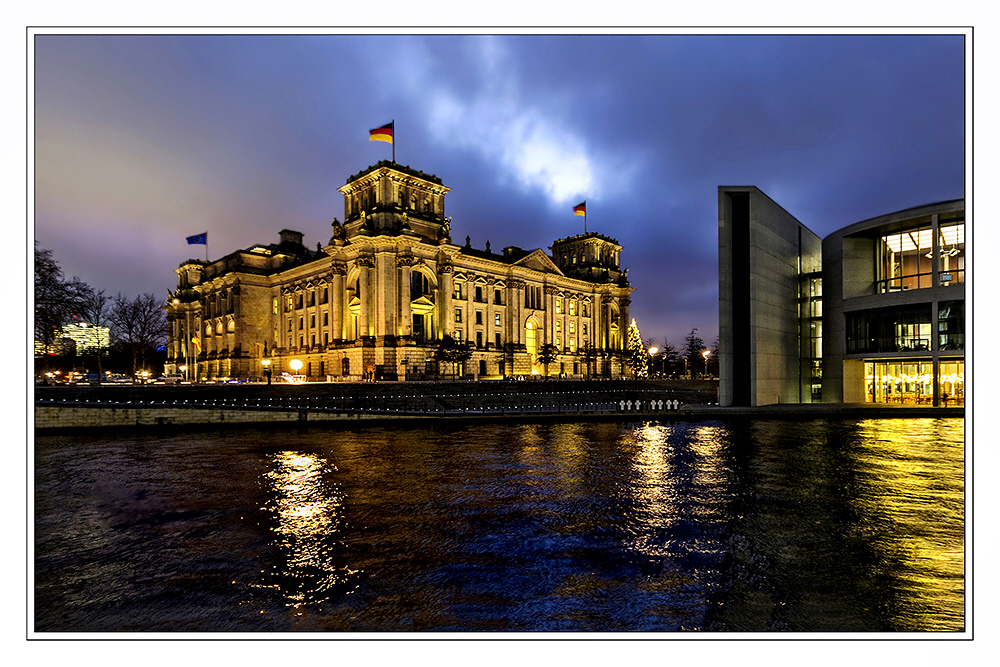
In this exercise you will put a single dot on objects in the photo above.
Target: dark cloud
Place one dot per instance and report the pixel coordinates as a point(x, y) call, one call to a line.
point(143, 140)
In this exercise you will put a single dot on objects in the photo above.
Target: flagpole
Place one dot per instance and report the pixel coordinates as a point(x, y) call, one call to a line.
point(394, 141)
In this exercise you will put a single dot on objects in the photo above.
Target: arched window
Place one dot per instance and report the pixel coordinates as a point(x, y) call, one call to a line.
point(345, 366)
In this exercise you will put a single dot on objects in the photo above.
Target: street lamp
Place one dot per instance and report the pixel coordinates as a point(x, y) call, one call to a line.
point(266, 363)
point(705, 356)
point(295, 365)
point(652, 353)
point(183, 370)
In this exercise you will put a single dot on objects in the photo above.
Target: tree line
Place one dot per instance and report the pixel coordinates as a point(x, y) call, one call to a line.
point(687, 361)
point(137, 325)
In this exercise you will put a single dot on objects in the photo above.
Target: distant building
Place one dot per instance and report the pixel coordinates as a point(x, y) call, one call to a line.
point(78, 338)
point(875, 312)
point(380, 296)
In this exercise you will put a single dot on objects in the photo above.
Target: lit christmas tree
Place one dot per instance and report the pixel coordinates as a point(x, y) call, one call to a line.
point(635, 352)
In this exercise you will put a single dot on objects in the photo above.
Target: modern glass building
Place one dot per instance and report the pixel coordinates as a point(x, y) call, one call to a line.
point(874, 312)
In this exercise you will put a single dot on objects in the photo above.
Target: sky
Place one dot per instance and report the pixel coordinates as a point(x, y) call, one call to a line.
point(143, 140)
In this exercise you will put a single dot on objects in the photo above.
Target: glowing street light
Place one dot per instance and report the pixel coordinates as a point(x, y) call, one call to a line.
point(705, 355)
point(266, 363)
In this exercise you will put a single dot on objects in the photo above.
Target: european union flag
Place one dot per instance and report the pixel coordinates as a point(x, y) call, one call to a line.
point(198, 239)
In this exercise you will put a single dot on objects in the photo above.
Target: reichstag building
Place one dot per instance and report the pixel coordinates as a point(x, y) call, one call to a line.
point(377, 300)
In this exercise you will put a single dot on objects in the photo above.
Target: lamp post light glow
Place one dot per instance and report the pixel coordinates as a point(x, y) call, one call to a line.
point(266, 363)
point(705, 355)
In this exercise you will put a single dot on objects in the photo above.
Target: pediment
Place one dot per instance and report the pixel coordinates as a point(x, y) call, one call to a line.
point(538, 261)
point(422, 305)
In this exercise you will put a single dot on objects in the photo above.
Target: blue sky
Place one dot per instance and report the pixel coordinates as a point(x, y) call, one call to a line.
point(141, 141)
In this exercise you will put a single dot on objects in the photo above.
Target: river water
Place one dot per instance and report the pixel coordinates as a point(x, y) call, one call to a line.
point(721, 526)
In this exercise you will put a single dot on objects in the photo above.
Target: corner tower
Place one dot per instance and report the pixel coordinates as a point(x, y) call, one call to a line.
point(592, 257)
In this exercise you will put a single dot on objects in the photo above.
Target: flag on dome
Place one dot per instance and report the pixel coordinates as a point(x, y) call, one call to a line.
point(580, 209)
point(383, 133)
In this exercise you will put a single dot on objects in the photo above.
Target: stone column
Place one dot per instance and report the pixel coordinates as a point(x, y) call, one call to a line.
point(337, 301)
point(446, 286)
point(365, 263)
point(550, 314)
point(515, 304)
point(384, 293)
point(404, 262)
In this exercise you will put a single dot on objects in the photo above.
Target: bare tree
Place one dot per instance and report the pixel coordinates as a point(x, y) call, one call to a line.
point(57, 300)
point(138, 326)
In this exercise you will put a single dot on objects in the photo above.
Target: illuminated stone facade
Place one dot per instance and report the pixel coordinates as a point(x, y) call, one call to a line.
point(379, 297)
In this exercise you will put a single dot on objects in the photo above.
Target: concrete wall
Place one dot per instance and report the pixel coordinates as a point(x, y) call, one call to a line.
point(767, 255)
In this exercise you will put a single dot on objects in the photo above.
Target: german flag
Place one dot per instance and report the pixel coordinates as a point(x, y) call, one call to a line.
point(383, 133)
point(197, 343)
point(580, 209)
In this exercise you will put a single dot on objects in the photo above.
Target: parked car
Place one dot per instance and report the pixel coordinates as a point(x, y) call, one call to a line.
point(171, 378)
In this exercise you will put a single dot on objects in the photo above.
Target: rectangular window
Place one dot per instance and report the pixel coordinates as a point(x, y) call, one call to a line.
point(326, 319)
point(479, 339)
point(458, 290)
point(479, 317)
point(904, 259)
point(498, 344)
point(558, 306)
point(572, 307)
point(497, 297)
point(301, 326)
point(458, 314)
point(951, 325)
point(584, 331)
point(903, 381)
point(457, 336)
point(289, 324)
point(572, 327)
point(900, 329)
point(312, 321)
point(274, 305)
point(496, 319)
point(479, 294)
point(951, 249)
point(584, 313)
point(558, 327)
point(558, 343)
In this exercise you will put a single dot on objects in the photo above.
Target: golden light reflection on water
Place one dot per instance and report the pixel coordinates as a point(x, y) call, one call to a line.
point(912, 486)
point(308, 518)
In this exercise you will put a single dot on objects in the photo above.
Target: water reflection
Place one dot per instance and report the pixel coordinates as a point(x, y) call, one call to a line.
point(742, 525)
point(306, 510)
point(910, 493)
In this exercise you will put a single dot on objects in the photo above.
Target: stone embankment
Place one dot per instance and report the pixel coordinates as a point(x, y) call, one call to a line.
point(217, 405)
point(109, 406)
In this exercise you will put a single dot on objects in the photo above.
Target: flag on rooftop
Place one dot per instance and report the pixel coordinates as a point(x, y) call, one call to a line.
point(201, 239)
point(581, 208)
point(383, 133)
